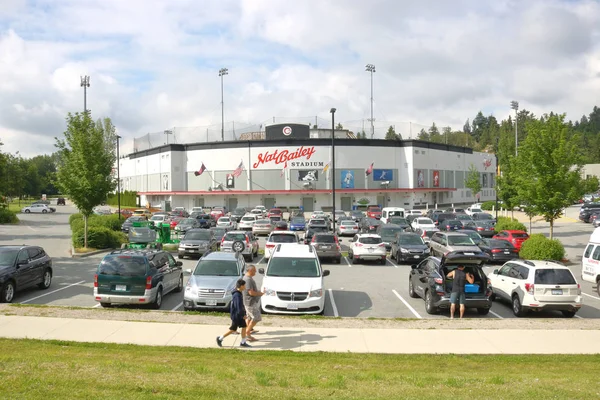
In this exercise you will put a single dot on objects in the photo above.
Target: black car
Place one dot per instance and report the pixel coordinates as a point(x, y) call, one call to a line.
point(60, 201)
point(357, 215)
point(587, 211)
point(499, 250)
point(310, 232)
point(483, 217)
point(409, 247)
point(129, 222)
point(237, 214)
point(450, 225)
point(186, 224)
point(402, 222)
point(369, 225)
point(428, 281)
point(21, 267)
point(440, 217)
point(388, 233)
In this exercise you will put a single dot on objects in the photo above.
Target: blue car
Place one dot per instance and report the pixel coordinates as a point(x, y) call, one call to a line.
point(298, 224)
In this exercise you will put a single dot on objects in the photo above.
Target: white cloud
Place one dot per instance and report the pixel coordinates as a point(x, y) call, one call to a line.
point(153, 64)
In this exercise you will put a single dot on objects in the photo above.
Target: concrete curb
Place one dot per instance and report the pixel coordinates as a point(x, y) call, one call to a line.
point(91, 253)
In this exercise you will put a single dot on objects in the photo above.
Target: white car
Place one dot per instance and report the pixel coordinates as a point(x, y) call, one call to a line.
point(317, 214)
point(247, 222)
point(227, 223)
point(38, 208)
point(413, 212)
point(537, 285)
point(258, 213)
point(422, 223)
point(472, 210)
point(277, 237)
point(366, 246)
point(197, 209)
point(293, 281)
point(159, 218)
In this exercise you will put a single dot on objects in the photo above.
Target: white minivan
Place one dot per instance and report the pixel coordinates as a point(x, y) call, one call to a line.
point(389, 212)
point(590, 261)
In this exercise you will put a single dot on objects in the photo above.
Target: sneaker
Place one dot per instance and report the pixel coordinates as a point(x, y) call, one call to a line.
point(244, 345)
point(219, 342)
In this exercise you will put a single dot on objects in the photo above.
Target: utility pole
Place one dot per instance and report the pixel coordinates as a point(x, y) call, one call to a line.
point(332, 111)
point(118, 178)
point(515, 106)
point(371, 68)
point(167, 133)
point(85, 83)
point(222, 73)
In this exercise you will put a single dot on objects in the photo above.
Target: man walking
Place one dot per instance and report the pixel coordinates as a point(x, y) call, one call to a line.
point(238, 313)
point(459, 278)
point(251, 302)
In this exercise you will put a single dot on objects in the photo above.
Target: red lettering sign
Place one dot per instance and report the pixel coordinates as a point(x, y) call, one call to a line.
point(280, 157)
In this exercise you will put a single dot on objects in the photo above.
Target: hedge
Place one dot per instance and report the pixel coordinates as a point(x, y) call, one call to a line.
point(8, 217)
point(111, 222)
point(99, 237)
point(128, 199)
point(505, 223)
point(539, 247)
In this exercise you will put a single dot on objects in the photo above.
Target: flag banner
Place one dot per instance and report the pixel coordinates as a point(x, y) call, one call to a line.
point(238, 171)
point(200, 171)
point(283, 170)
point(369, 170)
point(326, 167)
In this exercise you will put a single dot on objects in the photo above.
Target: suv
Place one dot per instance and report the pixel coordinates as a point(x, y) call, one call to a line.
point(277, 237)
point(23, 266)
point(241, 242)
point(428, 281)
point(537, 285)
point(197, 242)
point(409, 247)
point(327, 245)
point(137, 277)
point(442, 243)
point(366, 246)
point(293, 281)
point(212, 281)
point(374, 212)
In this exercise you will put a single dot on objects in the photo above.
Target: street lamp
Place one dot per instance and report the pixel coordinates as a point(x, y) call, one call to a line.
point(85, 83)
point(222, 72)
point(118, 179)
point(167, 133)
point(515, 106)
point(371, 68)
point(332, 111)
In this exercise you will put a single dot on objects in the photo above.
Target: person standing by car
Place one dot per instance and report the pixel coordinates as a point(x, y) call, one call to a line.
point(459, 278)
point(238, 314)
point(251, 302)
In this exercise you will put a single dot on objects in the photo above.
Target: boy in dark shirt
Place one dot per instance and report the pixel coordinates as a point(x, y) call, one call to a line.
point(237, 312)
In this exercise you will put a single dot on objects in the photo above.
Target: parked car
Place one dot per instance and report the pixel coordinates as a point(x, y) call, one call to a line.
point(483, 217)
point(426, 234)
point(317, 214)
point(408, 248)
point(204, 220)
point(226, 222)
point(327, 246)
point(275, 212)
point(182, 213)
point(212, 281)
point(536, 286)
point(441, 217)
point(247, 222)
point(298, 224)
point(277, 237)
point(422, 223)
point(61, 201)
point(142, 211)
point(318, 222)
point(38, 208)
point(186, 224)
point(137, 277)
point(296, 214)
point(485, 228)
point(258, 213)
point(275, 218)
point(450, 225)
point(516, 237)
point(23, 266)
point(446, 242)
point(159, 218)
point(464, 218)
point(374, 212)
point(218, 212)
point(428, 281)
point(263, 227)
point(388, 233)
point(401, 222)
point(242, 242)
point(365, 246)
point(128, 223)
point(347, 227)
point(472, 210)
point(197, 242)
point(369, 225)
point(237, 214)
point(499, 250)
point(310, 232)
point(174, 221)
point(357, 215)
point(281, 226)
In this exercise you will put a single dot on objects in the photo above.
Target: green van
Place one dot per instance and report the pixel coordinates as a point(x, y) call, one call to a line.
point(137, 277)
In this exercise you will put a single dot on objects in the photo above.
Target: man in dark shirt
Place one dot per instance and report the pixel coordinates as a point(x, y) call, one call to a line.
point(238, 313)
point(459, 277)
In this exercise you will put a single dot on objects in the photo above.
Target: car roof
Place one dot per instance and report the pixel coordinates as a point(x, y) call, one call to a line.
point(513, 231)
point(198, 230)
point(365, 235)
point(535, 264)
point(453, 234)
point(220, 255)
point(244, 232)
point(282, 233)
point(14, 246)
point(389, 226)
point(292, 250)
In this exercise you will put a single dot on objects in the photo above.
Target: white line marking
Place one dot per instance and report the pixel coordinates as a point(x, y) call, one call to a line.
point(348, 262)
point(577, 316)
point(335, 311)
point(54, 291)
point(97, 305)
point(416, 314)
point(496, 315)
point(259, 261)
point(177, 306)
point(391, 262)
point(589, 295)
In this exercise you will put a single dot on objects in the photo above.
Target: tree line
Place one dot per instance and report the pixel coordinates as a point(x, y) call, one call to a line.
point(27, 177)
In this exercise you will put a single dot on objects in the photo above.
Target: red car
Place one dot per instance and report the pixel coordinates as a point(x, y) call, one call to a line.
point(515, 237)
point(217, 213)
point(374, 212)
point(275, 212)
point(174, 221)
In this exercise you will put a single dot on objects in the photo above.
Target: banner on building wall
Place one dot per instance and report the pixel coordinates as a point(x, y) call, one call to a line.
point(347, 179)
point(420, 178)
point(484, 182)
point(165, 182)
point(308, 175)
point(380, 175)
point(436, 178)
point(230, 181)
point(302, 157)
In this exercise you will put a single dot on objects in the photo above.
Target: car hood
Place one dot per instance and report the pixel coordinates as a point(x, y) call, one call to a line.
point(190, 241)
point(214, 282)
point(298, 224)
point(292, 284)
point(414, 246)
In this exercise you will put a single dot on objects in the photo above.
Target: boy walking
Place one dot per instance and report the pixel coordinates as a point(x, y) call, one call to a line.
point(238, 313)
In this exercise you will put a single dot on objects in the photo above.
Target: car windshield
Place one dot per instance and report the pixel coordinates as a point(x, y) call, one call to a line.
point(424, 221)
point(463, 217)
point(460, 241)
point(134, 219)
point(318, 222)
point(8, 256)
point(122, 265)
point(370, 240)
point(374, 209)
point(520, 235)
point(187, 221)
point(298, 221)
point(294, 267)
point(485, 224)
point(476, 210)
point(473, 235)
point(324, 239)
point(248, 219)
point(484, 216)
point(275, 218)
point(224, 219)
point(499, 244)
point(239, 211)
point(141, 235)
point(197, 235)
point(348, 222)
point(157, 217)
point(554, 277)
point(287, 238)
point(216, 268)
point(390, 232)
point(262, 222)
point(411, 240)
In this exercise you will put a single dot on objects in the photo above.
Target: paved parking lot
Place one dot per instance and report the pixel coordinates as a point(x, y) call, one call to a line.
point(361, 290)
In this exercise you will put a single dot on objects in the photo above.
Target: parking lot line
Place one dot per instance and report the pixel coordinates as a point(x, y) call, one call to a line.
point(496, 315)
point(391, 262)
point(259, 261)
point(335, 311)
point(97, 305)
point(589, 295)
point(347, 262)
point(177, 306)
point(54, 291)
point(578, 316)
point(415, 313)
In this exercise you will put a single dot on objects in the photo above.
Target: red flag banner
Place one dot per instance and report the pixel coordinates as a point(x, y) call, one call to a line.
point(200, 171)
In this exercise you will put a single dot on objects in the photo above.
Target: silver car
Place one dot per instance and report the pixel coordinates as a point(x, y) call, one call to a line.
point(241, 242)
point(196, 242)
point(212, 281)
point(227, 223)
point(263, 227)
point(347, 227)
point(444, 242)
point(247, 222)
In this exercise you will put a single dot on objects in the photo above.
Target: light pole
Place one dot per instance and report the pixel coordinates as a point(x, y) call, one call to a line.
point(332, 111)
point(118, 179)
point(167, 133)
point(222, 72)
point(85, 83)
point(515, 106)
point(371, 68)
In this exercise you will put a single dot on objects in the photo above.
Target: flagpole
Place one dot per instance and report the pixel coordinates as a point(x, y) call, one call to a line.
point(332, 111)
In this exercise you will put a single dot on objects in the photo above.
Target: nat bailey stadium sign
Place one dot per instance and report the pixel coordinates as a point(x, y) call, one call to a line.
point(295, 158)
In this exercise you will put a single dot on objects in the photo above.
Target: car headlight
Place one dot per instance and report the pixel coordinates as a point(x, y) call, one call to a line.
point(316, 293)
point(270, 292)
point(191, 290)
point(403, 250)
point(427, 250)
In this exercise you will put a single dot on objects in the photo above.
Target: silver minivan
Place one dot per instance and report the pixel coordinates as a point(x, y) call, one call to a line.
point(444, 242)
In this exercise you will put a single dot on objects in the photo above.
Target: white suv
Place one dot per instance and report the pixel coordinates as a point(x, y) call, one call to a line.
point(277, 237)
point(365, 246)
point(247, 222)
point(537, 285)
point(293, 281)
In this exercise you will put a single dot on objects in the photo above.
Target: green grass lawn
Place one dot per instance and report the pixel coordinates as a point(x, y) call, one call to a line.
point(16, 206)
point(31, 369)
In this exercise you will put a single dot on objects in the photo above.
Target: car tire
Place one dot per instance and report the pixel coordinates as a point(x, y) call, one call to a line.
point(383, 262)
point(27, 211)
point(568, 313)
point(180, 256)
point(106, 305)
point(44, 211)
point(483, 311)
point(46, 279)
point(411, 289)
point(429, 307)
point(598, 286)
point(517, 307)
point(158, 300)
point(493, 297)
point(7, 294)
point(238, 246)
point(179, 287)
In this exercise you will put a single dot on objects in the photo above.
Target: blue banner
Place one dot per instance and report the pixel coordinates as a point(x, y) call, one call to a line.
point(347, 179)
point(380, 175)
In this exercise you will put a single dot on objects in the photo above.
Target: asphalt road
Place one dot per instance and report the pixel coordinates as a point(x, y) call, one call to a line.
point(359, 290)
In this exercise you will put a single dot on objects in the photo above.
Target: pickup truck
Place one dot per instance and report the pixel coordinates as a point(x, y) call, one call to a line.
point(374, 212)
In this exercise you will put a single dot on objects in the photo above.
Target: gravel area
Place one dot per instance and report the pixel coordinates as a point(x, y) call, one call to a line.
point(300, 322)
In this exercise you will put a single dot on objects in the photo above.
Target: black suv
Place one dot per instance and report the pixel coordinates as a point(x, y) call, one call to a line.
point(587, 210)
point(428, 281)
point(21, 267)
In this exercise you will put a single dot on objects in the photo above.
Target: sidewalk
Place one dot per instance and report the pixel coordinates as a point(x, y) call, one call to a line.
point(390, 341)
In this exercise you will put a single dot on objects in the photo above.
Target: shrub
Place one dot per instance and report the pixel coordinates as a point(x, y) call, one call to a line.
point(509, 224)
point(99, 237)
point(111, 222)
point(488, 205)
point(539, 247)
point(73, 217)
point(128, 199)
point(8, 217)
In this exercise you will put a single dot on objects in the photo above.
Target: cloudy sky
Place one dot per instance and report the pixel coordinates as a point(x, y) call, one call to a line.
point(154, 64)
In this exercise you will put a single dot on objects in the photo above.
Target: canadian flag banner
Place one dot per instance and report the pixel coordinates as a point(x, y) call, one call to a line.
point(200, 171)
point(369, 170)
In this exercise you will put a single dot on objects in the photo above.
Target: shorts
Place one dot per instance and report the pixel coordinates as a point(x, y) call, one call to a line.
point(237, 324)
point(457, 296)
point(253, 312)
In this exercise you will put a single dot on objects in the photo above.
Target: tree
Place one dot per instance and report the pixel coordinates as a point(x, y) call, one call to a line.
point(391, 134)
point(478, 126)
point(423, 135)
point(446, 132)
point(549, 168)
point(473, 180)
point(339, 127)
point(467, 127)
point(86, 157)
point(434, 134)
